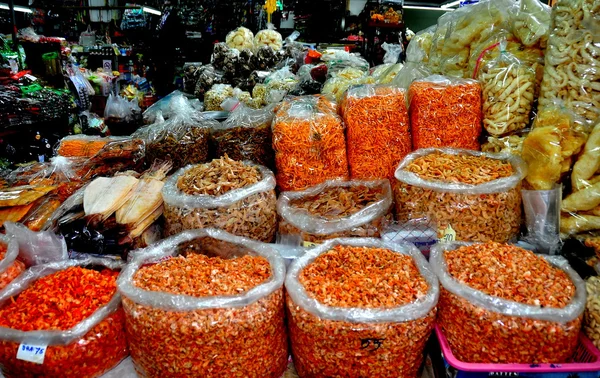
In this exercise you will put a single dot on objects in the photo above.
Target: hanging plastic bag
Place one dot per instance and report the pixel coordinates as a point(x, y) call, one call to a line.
point(392, 52)
point(249, 321)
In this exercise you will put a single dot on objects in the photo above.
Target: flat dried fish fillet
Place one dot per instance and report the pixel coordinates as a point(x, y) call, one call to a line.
point(147, 197)
point(144, 224)
point(23, 195)
point(105, 195)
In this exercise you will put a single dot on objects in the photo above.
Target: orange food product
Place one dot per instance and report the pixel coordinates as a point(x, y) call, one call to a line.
point(81, 146)
point(377, 130)
point(309, 143)
point(445, 113)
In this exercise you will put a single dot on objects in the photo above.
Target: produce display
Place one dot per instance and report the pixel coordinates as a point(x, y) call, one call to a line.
point(234, 196)
point(360, 308)
point(74, 310)
point(531, 312)
point(208, 304)
point(335, 209)
point(476, 195)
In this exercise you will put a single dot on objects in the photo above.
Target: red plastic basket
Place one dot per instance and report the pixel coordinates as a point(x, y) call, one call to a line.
point(585, 359)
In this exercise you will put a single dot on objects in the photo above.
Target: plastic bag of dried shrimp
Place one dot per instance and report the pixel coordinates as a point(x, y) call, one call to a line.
point(62, 319)
point(238, 197)
point(360, 307)
point(334, 209)
point(206, 303)
point(469, 195)
point(502, 304)
point(10, 266)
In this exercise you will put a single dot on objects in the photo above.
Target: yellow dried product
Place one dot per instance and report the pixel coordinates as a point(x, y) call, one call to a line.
point(591, 318)
point(360, 308)
point(335, 209)
point(502, 304)
point(472, 194)
point(205, 303)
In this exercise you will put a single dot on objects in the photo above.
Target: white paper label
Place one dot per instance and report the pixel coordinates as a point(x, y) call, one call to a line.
point(31, 77)
point(32, 353)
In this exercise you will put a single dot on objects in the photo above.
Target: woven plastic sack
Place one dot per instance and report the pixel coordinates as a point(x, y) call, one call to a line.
point(10, 267)
point(377, 130)
point(510, 332)
point(309, 143)
point(298, 224)
point(208, 336)
point(332, 341)
point(89, 349)
point(471, 212)
point(249, 211)
point(445, 112)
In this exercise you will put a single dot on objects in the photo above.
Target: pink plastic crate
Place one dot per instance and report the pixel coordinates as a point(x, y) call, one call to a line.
point(585, 359)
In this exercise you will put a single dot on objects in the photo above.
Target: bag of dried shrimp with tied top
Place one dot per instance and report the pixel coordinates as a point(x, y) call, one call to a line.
point(238, 197)
point(205, 303)
point(335, 209)
point(469, 195)
point(360, 307)
point(10, 266)
point(62, 319)
point(502, 304)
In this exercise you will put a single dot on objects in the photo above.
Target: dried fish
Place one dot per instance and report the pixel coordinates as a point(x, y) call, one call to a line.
point(105, 195)
point(23, 195)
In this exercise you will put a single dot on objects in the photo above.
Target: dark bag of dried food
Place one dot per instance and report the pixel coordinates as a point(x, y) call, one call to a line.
point(181, 139)
point(121, 116)
point(245, 134)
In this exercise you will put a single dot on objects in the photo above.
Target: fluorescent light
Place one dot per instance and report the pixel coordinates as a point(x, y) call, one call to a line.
point(428, 8)
point(451, 4)
point(17, 8)
point(152, 10)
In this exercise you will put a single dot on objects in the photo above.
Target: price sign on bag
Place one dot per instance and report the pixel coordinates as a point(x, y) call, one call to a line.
point(32, 352)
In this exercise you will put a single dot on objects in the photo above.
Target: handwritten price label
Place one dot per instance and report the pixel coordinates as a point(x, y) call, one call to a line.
point(32, 353)
point(307, 244)
point(448, 236)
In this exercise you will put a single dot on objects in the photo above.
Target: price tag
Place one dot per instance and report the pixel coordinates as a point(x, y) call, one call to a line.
point(32, 353)
point(448, 235)
point(31, 77)
point(307, 244)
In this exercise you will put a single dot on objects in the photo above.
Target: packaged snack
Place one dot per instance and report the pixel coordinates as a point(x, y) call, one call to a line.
point(268, 37)
point(469, 195)
point(502, 304)
point(234, 196)
point(360, 308)
point(591, 318)
point(240, 38)
point(216, 95)
point(335, 209)
point(206, 303)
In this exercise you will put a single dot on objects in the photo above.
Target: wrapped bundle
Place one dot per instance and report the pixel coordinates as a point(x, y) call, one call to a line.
point(208, 304)
point(470, 196)
point(360, 308)
point(503, 304)
point(268, 37)
point(335, 209)
point(240, 38)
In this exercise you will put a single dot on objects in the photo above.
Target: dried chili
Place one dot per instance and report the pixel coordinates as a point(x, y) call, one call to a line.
point(377, 130)
point(445, 113)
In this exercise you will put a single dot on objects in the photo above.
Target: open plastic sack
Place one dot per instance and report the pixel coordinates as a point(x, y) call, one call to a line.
point(336, 331)
point(248, 211)
point(507, 328)
point(469, 195)
point(89, 348)
point(335, 209)
point(122, 116)
point(10, 266)
point(185, 330)
point(37, 247)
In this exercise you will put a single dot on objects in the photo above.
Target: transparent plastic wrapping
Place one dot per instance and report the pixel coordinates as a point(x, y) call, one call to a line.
point(37, 247)
point(10, 267)
point(161, 107)
point(542, 218)
point(268, 37)
point(216, 95)
point(354, 341)
point(410, 72)
point(508, 93)
point(490, 329)
point(281, 80)
point(438, 39)
point(591, 318)
point(246, 135)
point(338, 60)
point(208, 76)
point(445, 112)
point(511, 144)
point(89, 349)
point(335, 209)
point(240, 38)
point(190, 76)
point(249, 211)
point(309, 143)
point(385, 73)
point(588, 163)
point(490, 210)
point(83, 146)
point(573, 57)
point(420, 45)
point(377, 130)
point(182, 139)
point(392, 52)
point(531, 23)
point(208, 336)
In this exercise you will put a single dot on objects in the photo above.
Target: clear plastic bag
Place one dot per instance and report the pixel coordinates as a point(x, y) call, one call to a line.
point(281, 80)
point(90, 348)
point(216, 95)
point(338, 60)
point(207, 77)
point(309, 143)
point(10, 266)
point(161, 108)
point(591, 318)
point(249, 211)
point(542, 219)
point(489, 210)
point(531, 23)
point(214, 336)
point(191, 70)
point(246, 135)
point(490, 329)
point(445, 112)
point(392, 52)
point(508, 88)
point(335, 209)
point(420, 45)
point(385, 73)
point(377, 130)
point(268, 37)
point(358, 341)
point(240, 38)
point(37, 247)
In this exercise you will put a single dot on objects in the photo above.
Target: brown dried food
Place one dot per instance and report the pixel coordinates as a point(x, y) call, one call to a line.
point(337, 202)
point(189, 148)
point(246, 143)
